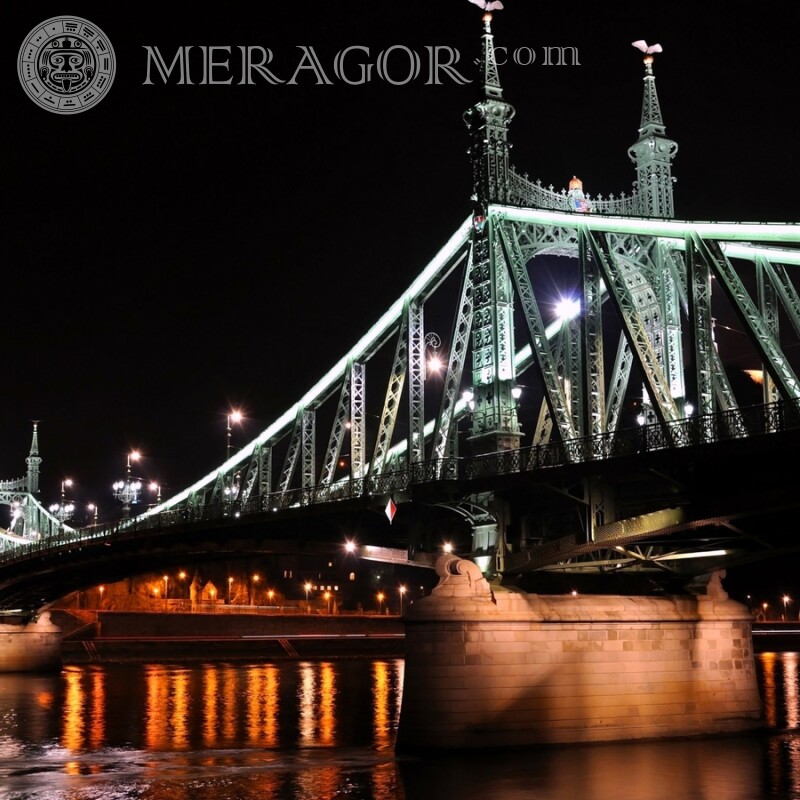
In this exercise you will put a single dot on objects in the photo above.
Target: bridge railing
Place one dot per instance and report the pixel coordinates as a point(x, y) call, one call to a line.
point(696, 431)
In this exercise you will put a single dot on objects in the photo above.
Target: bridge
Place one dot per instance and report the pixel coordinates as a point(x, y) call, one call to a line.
point(604, 434)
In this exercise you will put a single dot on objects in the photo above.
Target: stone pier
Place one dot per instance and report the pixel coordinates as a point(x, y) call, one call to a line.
point(488, 668)
point(30, 647)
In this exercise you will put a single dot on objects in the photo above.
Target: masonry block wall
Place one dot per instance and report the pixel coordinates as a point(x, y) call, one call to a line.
point(492, 668)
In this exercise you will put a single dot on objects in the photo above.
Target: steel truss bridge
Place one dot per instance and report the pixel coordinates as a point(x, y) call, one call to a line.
point(619, 437)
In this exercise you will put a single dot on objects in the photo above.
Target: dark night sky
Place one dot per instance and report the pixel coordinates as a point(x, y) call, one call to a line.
point(179, 250)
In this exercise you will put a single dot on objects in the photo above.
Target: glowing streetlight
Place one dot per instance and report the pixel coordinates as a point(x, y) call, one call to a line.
point(127, 491)
point(380, 602)
point(256, 579)
point(786, 600)
point(327, 597)
point(101, 589)
point(65, 509)
point(93, 510)
point(166, 590)
point(271, 595)
point(402, 590)
point(230, 583)
point(156, 487)
point(447, 547)
point(307, 587)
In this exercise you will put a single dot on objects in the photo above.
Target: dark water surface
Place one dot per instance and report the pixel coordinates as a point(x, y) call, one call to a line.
point(321, 730)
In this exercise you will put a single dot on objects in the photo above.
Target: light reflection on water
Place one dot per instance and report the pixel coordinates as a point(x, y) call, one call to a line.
point(319, 730)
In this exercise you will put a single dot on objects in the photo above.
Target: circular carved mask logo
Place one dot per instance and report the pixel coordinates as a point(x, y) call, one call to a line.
point(66, 65)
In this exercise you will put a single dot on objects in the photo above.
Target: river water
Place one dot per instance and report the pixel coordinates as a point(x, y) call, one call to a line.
point(325, 729)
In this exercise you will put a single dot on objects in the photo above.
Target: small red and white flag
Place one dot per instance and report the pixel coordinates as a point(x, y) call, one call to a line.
point(391, 510)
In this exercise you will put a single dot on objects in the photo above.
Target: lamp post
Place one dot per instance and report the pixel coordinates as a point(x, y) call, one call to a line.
point(308, 589)
point(230, 582)
point(127, 491)
point(92, 508)
point(233, 416)
point(786, 600)
point(156, 487)
point(402, 591)
point(255, 586)
point(380, 602)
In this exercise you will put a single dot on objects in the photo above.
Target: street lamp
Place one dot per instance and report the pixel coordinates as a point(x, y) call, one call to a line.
point(127, 491)
point(156, 487)
point(63, 510)
point(166, 590)
point(786, 601)
point(327, 597)
point(380, 602)
point(230, 582)
point(255, 584)
point(308, 589)
point(92, 507)
point(402, 590)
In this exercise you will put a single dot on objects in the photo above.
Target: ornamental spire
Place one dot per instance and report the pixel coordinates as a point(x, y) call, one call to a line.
point(487, 122)
point(33, 460)
point(652, 153)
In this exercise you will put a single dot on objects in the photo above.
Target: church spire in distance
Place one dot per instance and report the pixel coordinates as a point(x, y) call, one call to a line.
point(652, 153)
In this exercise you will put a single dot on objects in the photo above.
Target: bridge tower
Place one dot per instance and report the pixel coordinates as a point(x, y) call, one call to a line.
point(30, 521)
point(653, 151)
point(494, 421)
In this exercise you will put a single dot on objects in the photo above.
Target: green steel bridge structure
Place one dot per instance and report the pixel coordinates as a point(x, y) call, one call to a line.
point(615, 433)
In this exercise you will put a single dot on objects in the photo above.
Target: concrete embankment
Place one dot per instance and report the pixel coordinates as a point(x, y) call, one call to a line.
point(136, 636)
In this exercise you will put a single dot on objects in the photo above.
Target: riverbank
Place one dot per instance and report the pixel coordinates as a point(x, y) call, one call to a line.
point(109, 636)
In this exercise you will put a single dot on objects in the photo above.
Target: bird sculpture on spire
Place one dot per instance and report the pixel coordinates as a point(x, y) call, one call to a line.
point(641, 44)
point(648, 50)
point(491, 5)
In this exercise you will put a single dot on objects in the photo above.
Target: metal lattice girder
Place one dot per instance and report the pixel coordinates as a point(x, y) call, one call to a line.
point(308, 438)
point(340, 420)
point(394, 391)
point(700, 327)
point(554, 393)
point(593, 414)
point(775, 362)
point(573, 374)
point(640, 343)
point(786, 290)
point(264, 454)
point(290, 461)
point(253, 475)
point(768, 306)
point(358, 433)
point(455, 366)
point(620, 376)
point(416, 383)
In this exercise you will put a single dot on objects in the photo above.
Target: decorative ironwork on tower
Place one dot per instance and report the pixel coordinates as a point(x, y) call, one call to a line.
point(495, 425)
point(652, 153)
point(487, 122)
